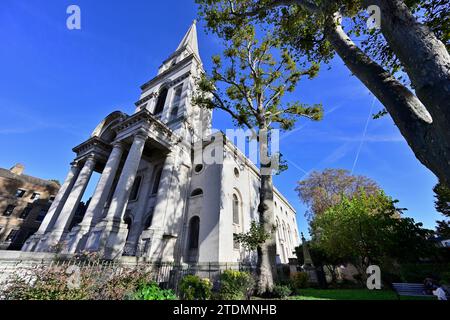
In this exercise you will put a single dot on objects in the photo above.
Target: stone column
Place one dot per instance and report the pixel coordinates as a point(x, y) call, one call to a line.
point(115, 232)
point(126, 181)
point(139, 219)
point(55, 208)
point(161, 206)
point(71, 205)
point(163, 192)
point(98, 201)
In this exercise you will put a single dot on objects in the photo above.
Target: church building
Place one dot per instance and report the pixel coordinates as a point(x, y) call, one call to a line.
point(154, 200)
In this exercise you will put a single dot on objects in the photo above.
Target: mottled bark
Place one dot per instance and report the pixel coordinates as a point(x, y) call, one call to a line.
point(266, 267)
point(424, 117)
point(428, 142)
point(424, 57)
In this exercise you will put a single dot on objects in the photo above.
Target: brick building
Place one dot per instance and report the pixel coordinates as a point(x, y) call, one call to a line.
point(24, 202)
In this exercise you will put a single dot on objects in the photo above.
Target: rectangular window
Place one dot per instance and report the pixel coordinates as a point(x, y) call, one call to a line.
point(41, 215)
point(25, 212)
point(12, 235)
point(35, 196)
point(9, 210)
point(20, 193)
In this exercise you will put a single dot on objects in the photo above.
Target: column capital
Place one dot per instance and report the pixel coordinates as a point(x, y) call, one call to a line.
point(118, 145)
point(75, 164)
point(91, 157)
point(141, 134)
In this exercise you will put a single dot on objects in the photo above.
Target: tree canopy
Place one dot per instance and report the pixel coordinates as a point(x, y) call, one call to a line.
point(322, 190)
point(404, 62)
point(368, 229)
point(248, 81)
point(442, 204)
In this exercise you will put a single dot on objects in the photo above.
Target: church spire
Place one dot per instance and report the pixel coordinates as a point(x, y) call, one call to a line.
point(190, 40)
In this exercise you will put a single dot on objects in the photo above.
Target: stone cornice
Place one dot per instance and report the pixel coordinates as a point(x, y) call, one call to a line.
point(149, 122)
point(144, 100)
point(92, 143)
point(171, 84)
point(174, 68)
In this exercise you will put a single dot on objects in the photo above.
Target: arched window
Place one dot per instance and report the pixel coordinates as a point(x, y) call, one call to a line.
point(135, 190)
point(176, 102)
point(148, 221)
point(236, 205)
point(289, 235)
point(128, 221)
point(161, 101)
point(197, 192)
point(194, 231)
point(156, 181)
point(278, 230)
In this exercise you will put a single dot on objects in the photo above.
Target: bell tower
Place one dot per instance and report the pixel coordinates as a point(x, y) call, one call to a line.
point(168, 95)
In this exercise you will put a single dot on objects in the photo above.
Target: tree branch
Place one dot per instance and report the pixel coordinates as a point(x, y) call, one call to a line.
point(221, 105)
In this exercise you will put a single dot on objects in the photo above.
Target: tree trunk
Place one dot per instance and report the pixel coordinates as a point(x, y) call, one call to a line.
point(266, 266)
point(424, 57)
point(415, 123)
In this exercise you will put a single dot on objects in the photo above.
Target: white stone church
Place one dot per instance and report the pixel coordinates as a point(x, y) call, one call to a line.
point(153, 200)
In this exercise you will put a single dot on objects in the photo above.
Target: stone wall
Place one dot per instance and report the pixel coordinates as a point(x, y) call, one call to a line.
point(17, 262)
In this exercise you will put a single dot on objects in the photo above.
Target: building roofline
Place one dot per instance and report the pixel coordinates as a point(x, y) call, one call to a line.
point(5, 173)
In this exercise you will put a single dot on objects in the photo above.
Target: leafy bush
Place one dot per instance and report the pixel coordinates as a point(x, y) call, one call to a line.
point(195, 288)
point(299, 281)
point(47, 284)
point(56, 283)
point(151, 291)
point(281, 291)
point(235, 285)
point(445, 278)
point(348, 284)
point(418, 272)
point(121, 286)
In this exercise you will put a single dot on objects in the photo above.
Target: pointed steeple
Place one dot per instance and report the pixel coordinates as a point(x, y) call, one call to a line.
point(190, 40)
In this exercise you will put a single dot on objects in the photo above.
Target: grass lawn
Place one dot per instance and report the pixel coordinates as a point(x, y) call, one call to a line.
point(350, 294)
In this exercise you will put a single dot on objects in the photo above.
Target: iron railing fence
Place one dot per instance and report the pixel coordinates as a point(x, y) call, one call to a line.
point(167, 275)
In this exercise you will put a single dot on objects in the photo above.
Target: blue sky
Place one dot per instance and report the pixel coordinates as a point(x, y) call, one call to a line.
point(56, 85)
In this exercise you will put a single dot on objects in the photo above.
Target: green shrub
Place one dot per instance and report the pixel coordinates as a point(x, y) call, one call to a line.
point(235, 285)
point(281, 291)
point(348, 284)
point(121, 286)
point(56, 283)
point(445, 278)
point(49, 283)
point(299, 281)
point(195, 288)
point(151, 291)
point(417, 272)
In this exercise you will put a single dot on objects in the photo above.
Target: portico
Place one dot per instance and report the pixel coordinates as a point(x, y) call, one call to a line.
point(117, 150)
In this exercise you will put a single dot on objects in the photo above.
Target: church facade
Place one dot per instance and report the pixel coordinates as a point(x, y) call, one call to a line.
point(154, 198)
